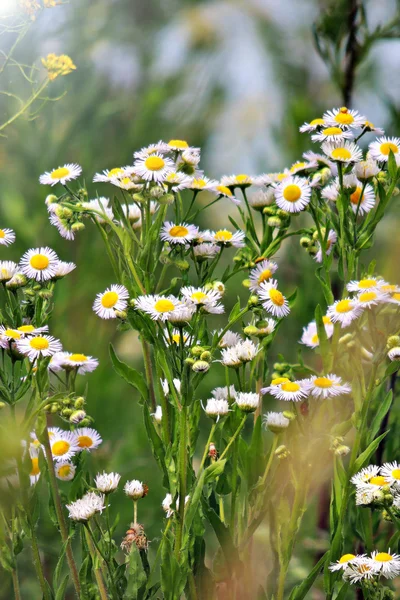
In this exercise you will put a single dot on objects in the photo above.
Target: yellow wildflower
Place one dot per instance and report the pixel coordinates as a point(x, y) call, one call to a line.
point(58, 65)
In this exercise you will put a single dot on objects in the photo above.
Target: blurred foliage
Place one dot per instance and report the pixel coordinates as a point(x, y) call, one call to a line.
point(235, 78)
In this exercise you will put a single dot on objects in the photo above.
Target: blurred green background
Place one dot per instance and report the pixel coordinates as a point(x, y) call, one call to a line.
point(236, 78)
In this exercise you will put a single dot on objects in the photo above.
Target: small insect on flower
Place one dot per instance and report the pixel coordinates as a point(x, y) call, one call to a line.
point(136, 489)
point(332, 134)
point(381, 148)
point(344, 311)
point(262, 272)
point(8, 268)
point(343, 562)
point(386, 563)
point(154, 168)
point(158, 307)
point(107, 482)
point(87, 438)
point(276, 422)
point(65, 470)
point(39, 263)
point(345, 152)
point(7, 237)
point(38, 346)
point(272, 299)
point(115, 298)
point(63, 445)
point(86, 507)
point(344, 117)
point(362, 200)
point(216, 408)
point(75, 362)
point(247, 401)
point(391, 472)
point(178, 234)
point(326, 386)
point(61, 175)
point(293, 194)
point(225, 238)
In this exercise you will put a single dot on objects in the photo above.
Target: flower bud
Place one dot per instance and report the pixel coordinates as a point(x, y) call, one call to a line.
point(2, 405)
point(66, 412)
point(312, 250)
point(305, 242)
point(200, 366)
point(206, 355)
point(66, 401)
point(166, 199)
point(282, 214)
point(79, 402)
point(196, 350)
point(250, 330)
point(17, 281)
point(289, 415)
point(85, 422)
point(121, 314)
point(218, 286)
point(392, 341)
point(254, 300)
point(274, 222)
point(55, 407)
point(190, 361)
point(78, 226)
point(138, 197)
point(342, 450)
point(282, 452)
point(46, 294)
point(51, 199)
point(246, 283)
point(182, 265)
point(77, 416)
point(157, 192)
point(269, 210)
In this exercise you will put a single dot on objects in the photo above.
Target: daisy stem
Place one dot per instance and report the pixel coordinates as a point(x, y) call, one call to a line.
point(149, 373)
point(253, 227)
point(270, 459)
point(135, 512)
point(182, 479)
point(206, 449)
point(14, 575)
point(233, 438)
point(97, 571)
point(25, 107)
point(60, 515)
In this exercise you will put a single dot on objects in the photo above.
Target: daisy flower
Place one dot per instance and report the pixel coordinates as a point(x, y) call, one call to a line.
point(182, 315)
point(371, 298)
point(65, 470)
point(320, 159)
point(110, 175)
point(39, 263)
point(158, 307)
point(34, 473)
point(63, 269)
point(135, 489)
point(344, 311)
point(293, 194)
point(366, 169)
point(129, 183)
point(326, 386)
point(29, 329)
point(247, 401)
point(247, 350)
point(222, 393)
point(177, 181)
point(332, 134)
point(370, 283)
point(272, 299)
point(132, 212)
point(180, 146)
point(312, 125)
point(75, 362)
point(362, 201)
point(115, 298)
point(177, 337)
point(86, 507)
point(368, 126)
point(394, 353)
point(100, 205)
point(364, 496)
point(386, 563)
point(8, 268)
point(7, 237)
point(154, 168)
point(226, 238)
point(342, 563)
point(229, 339)
point(344, 117)
point(178, 234)
point(391, 472)
point(276, 422)
point(330, 242)
point(365, 476)
point(380, 149)
point(206, 251)
point(203, 184)
point(331, 192)
point(8, 335)
point(107, 482)
point(64, 228)
point(345, 152)
point(158, 148)
point(268, 328)
point(359, 569)
point(230, 357)
point(300, 166)
point(232, 181)
point(216, 408)
point(262, 198)
point(294, 391)
point(87, 438)
point(63, 445)
point(38, 346)
point(61, 175)
point(225, 192)
point(262, 272)
point(200, 296)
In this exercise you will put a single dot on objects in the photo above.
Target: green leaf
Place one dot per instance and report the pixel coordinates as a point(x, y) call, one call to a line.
point(300, 591)
point(364, 456)
point(235, 311)
point(60, 590)
point(173, 576)
point(130, 374)
point(380, 415)
point(209, 474)
point(392, 368)
point(156, 443)
point(224, 537)
point(136, 576)
point(392, 167)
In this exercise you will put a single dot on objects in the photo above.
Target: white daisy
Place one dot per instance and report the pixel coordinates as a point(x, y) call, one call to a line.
point(158, 307)
point(232, 181)
point(107, 482)
point(267, 328)
point(63, 445)
point(320, 159)
point(178, 234)
point(371, 298)
point(29, 329)
point(75, 362)
point(128, 182)
point(39, 263)
point(87, 438)
point(132, 213)
point(272, 299)
point(330, 242)
point(332, 134)
point(330, 192)
point(222, 393)
point(225, 238)
point(177, 181)
point(380, 149)
point(302, 165)
point(182, 315)
point(312, 125)
point(181, 146)
point(229, 339)
point(8, 268)
point(359, 569)
point(154, 168)
point(391, 472)
point(216, 408)
point(65, 470)
point(201, 296)
point(135, 489)
point(342, 563)
point(345, 152)
point(247, 401)
point(64, 229)
point(247, 350)
point(115, 298)
point(34, 473)
point(7, 237)
point(225, 192)
point(86, 507)
point(362, 204)
point(63, 269)
point(178, 336)
point(364, 476)
point(367, 284)
point(202, 184)
point(38, 346)
point(230, 358)
point(158, 148)
point(368, 126)
point(294, 391)
point(276, 422)
point(326, 386)
point(366, 169)
point(386, 563)
point(293, 194)
point(343, 117)
point(394, 353)
point(206, 251)
point(364, 496)
point(109, 175)
point(262, 198)
point(262, 272)
point(61, 175)
point(264, 179)
point(344, 311)
point(99, 205)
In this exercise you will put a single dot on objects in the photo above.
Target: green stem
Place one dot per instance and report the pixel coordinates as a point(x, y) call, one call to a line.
point(14, 575)
point(206, 449)
point(149, 374)
point(135, 512)
point(97, 571)
point(270, 459)
point(182, 479)
point(233, 438)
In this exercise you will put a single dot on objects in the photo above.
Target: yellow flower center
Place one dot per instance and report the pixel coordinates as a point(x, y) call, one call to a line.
point(199, 296)
point(387, 147)
point(365, 284)
point(176, 338)
point(224, 190)
point(178, 143)
point(383, 557)
point(315, 339)
point(396, 296)
point(396, 473)
point(39, 262)
point(378, 480)
point(276, 297)
point(200, 183)
point(356, 196)
point(178, 231)
point(164, 305)
point(126, 180)
point(279, 380)
point(109, 299)
point(223, 235)
point(317, 122)
point(326, 320)
point(390, 287)
point(2, 234)
point(332, 131)
point(323, 382)
point(367, 296)
point(64, 471)
point(344, 306)
point(12, 333)
point(35, 467)
point(61, 447)
point(292, 192)
point(265, 275)
point(298, 165)
point(39, 343)
point(290, 386)
point(154, 163)
point(281, 176)
point(344, 117)
point(114, 172)
point(78, 357)
point(341, 154)
point(242, 178)
point(346, 557)
point(26, 328)
point(59, 173)
point(84, 441)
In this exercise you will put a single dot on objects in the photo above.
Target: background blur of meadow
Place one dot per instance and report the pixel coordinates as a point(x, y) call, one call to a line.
point(236, 78)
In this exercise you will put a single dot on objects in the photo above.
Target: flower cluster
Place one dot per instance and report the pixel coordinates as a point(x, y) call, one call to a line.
point(360, 568)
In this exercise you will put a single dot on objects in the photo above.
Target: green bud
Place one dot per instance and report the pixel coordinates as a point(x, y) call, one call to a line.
point(382, 176)
point(79, 402)
point(166, 199)
point(190, 361)
point(305, 242)
point(66, 213)
point(78, 226)
point(77, 416)
point(66, 412)
point(46, 294)
point(275, 375)
point(250, 330)
point(289, 414)
point(342, 450)
point(254, 300)
point(138, 197)
point(157, 192)
point(200, 366)
point(196, 350)
point(269, 210)
point(393, 341)
point(85, 422)
point(206, 356)
point(51, 199)
point(2, 405)
point(17, 281)
point(246, 283)
point(282, 214)
point(121, 314)
point(396, 191)
point(182, 265)
point(312, 250)
point(286, 374)
point(274, 222)
point(66, 401)
point(55, 407)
